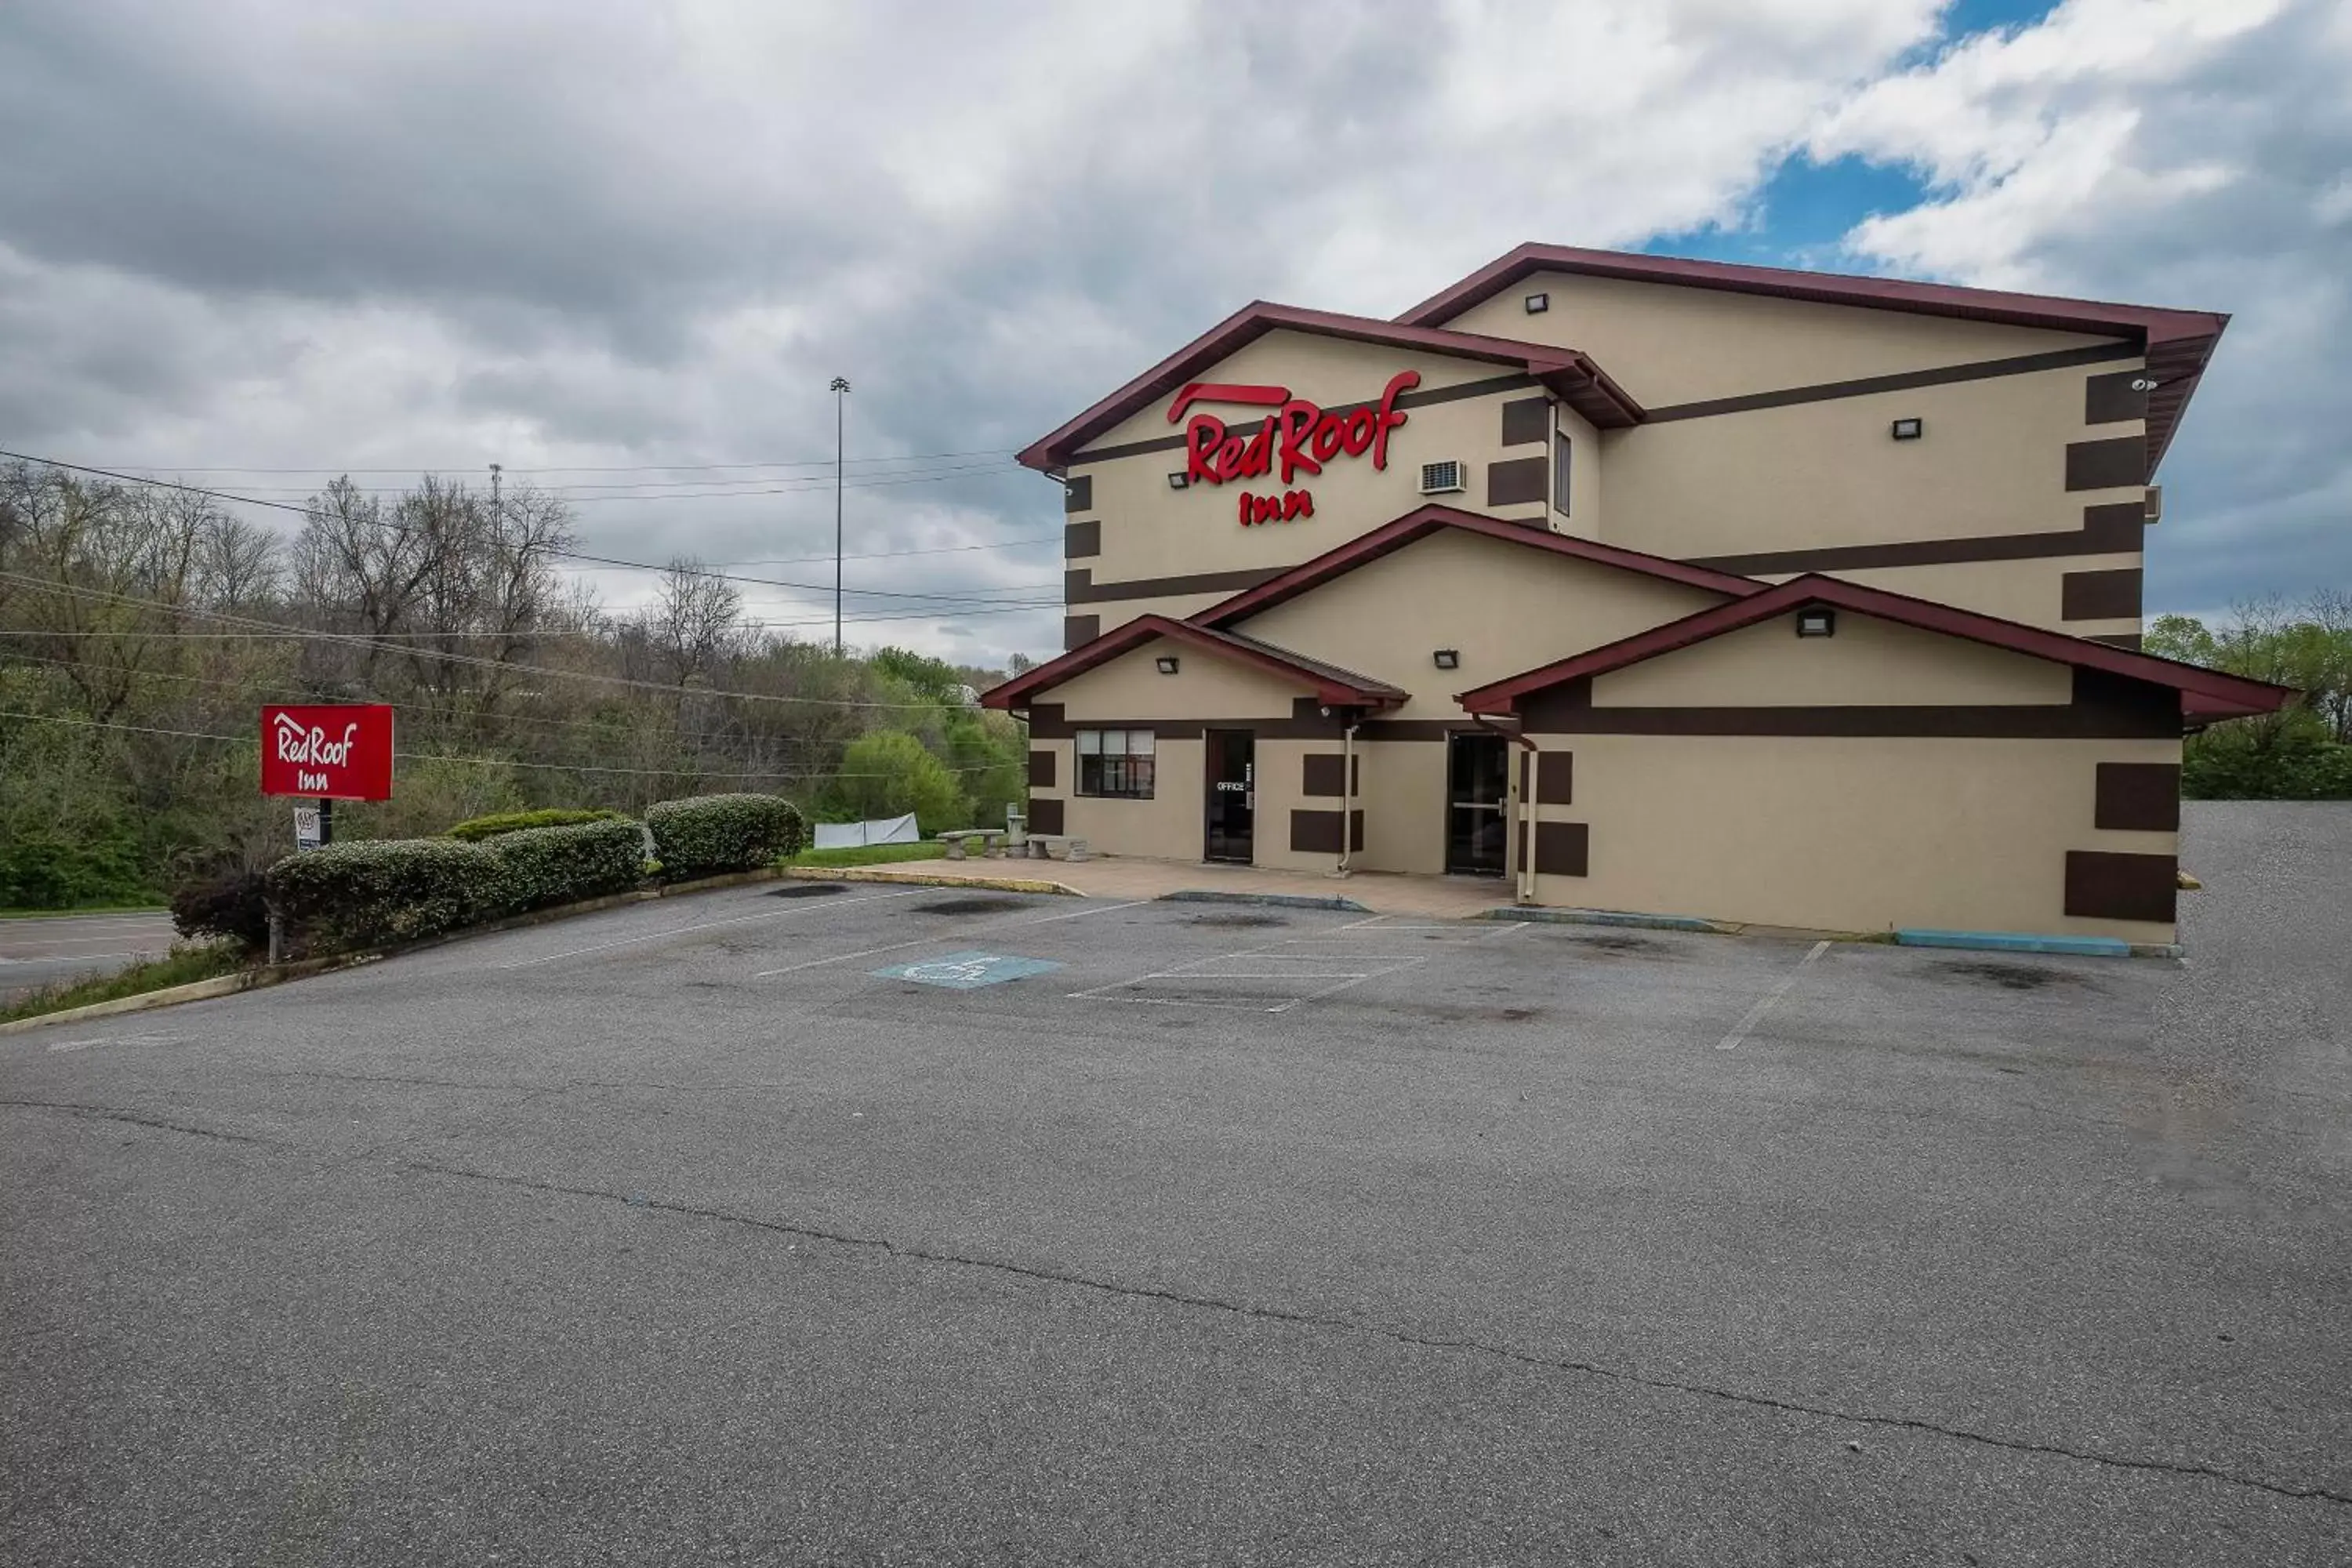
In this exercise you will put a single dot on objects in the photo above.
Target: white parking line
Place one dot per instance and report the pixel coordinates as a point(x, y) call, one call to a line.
point(1755, 1014)
point(1199, 970)
point(708, 925)
point(933, 941)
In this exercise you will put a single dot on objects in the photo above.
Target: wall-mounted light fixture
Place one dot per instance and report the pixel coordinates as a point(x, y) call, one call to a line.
point(1447, 658)
point(1167, 662)
point(1176, 481)
point(1909, 429)
point(1817, 622)
point(1538, 304)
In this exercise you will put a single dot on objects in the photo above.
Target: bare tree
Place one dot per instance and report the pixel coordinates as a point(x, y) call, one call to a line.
point(695, 622)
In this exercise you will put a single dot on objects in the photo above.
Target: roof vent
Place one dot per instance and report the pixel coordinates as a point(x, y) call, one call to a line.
point(1442, 478)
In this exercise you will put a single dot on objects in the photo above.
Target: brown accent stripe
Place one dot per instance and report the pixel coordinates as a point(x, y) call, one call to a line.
point(2142, 797)
point(2105, 707)
point(1078, 493)
point(2101, 886)
point(1313, 728)
point(2113, 527)
point(1318, 832)
point(1041, 770)
point(1079, 630)
point(2099, 595)
point(2110, 398)
point(1563, 848)
point(1045, 816)
point(1902, 381)
point(2108, 464)
point(1516, 481)
point(1080, 539)
point(1422, 399)
point(1556, 779)
point(1526, 420)
point(1078, 587)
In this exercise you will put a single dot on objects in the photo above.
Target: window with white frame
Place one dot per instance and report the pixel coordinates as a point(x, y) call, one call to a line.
point(1116, 763)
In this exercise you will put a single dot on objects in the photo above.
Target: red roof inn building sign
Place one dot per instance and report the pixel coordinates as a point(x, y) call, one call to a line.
point(339, 752)
point(1296, 436)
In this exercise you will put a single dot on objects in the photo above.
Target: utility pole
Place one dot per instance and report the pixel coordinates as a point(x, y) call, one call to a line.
point(840, 399)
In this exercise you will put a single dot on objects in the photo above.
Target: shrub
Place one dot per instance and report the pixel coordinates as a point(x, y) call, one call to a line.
point(369, 894)
point(888, 773)
point(569, 862)
point(482, 828)
point(232, 904)
point(722, 833)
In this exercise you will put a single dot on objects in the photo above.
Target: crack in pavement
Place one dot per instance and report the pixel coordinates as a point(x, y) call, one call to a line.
point(1399, 1336)
point(110, 1114)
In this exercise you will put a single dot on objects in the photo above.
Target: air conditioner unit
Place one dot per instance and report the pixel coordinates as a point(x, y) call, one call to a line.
point(1442, 478)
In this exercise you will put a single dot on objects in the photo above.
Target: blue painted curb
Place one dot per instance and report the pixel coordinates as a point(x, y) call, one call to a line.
point(1600, 918)
point(2017, 942)
point(1284, 901)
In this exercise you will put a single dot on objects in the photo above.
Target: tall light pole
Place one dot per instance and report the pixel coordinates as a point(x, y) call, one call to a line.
point(840, 401)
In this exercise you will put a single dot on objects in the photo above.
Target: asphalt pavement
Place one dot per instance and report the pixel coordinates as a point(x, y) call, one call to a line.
point(44, 949)
point(886, 1225)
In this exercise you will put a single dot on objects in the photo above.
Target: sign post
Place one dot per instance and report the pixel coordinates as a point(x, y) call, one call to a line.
point(323, 753)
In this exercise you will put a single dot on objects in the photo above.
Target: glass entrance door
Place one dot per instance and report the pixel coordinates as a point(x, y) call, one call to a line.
point(1478, 790)
point(1233, 796)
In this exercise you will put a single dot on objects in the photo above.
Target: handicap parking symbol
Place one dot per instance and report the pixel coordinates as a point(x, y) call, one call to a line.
point(966, 970)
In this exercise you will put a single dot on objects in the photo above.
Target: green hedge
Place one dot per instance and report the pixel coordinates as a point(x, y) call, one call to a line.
point(348, 897)
point(562, 865)
point(723, 833)
point(504, 822)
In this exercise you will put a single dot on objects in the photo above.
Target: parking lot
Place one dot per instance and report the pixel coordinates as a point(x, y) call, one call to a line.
point(849, 1223)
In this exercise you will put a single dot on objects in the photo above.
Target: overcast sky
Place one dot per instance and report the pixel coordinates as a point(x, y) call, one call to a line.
point(317, 236)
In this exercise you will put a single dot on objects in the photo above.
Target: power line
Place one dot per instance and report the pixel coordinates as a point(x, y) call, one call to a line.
point(305, 511)
point(894, 554)
point(714, 490)
point(446, 656)
point(627, 468)
point(482, 762)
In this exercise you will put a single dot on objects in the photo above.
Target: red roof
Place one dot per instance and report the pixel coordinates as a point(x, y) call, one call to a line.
point(1580, 383)
point(1328, 682)
point(2178, 343)
point(1423, 521)
point(2205, 694)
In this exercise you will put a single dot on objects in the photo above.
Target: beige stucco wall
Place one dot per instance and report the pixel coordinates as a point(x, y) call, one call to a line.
point(1507, 607)
point(1992, 461)
point(1167, 826)
point(2028, 591)
point(1867, 662)
point(1845, 833)
point(1668, 344)
point(1205, 686)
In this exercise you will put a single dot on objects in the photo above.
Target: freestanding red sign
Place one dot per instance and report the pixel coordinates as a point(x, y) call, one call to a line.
point(332, 752)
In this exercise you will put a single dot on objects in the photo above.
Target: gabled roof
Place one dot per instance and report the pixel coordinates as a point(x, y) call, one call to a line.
point(1423, 521)
point(2178, 343)
point(2205, 694)
point(1582, 384)
point(1328, 683)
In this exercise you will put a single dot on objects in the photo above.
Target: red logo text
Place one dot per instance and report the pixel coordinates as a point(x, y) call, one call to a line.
point(1298, 438)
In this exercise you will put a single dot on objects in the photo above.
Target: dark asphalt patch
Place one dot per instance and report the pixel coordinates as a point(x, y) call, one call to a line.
point(1615, 944)
point(808, 890)
point(2013, 977)
point(1238, 922)
point(971, 907)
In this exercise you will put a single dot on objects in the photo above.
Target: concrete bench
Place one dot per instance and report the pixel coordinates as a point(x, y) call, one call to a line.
point(1041, 844)
point(992, 842)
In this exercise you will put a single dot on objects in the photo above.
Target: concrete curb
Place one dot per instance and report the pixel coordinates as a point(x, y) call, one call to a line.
point(1280, 901)
point(195, 991)
point(1606, 917)
point(2026, 941)
point(928, 880)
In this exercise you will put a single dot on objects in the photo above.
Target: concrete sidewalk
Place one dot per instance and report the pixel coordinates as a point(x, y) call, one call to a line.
point(1126, 877)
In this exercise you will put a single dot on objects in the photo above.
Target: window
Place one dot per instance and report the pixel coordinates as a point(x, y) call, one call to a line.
point(1561, 448)
point(1115, 762)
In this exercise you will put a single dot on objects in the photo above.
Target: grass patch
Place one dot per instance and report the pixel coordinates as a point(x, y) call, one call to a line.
point(86, 909)
point(183, 967)
point(866, 855)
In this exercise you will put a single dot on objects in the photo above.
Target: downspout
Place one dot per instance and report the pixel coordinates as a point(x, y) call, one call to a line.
point(1348, 788)
point(1523, 873)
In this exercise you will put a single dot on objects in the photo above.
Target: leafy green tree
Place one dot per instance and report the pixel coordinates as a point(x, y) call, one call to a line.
point(887, 773)
point(2303, 752)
